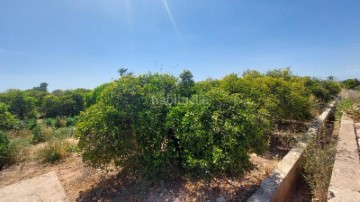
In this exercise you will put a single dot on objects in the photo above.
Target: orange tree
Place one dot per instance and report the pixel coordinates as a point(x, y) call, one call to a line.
point(135, 124)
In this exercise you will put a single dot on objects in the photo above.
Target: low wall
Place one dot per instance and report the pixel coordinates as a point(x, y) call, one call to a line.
point(282, 182)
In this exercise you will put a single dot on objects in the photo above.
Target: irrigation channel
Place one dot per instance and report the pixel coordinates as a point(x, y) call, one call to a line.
point(287, 182)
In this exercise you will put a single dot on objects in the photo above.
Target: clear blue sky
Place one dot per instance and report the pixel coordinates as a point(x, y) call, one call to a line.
point(82, 43)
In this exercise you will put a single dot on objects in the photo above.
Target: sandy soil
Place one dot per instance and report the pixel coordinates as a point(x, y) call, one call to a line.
point(83, 183)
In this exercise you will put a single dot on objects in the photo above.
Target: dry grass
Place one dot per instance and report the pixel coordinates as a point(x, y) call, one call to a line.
point(55, 151)
point(353, 95)
point(58, 144)
point(319, 158)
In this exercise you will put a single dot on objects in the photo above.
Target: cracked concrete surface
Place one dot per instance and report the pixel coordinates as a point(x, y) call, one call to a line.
point(345, 181)
point(43, 188)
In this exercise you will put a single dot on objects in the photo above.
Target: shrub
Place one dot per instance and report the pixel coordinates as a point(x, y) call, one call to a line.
point(351, 83)
point(7, 120)
point(71, 121)
point(31, 124)
point(217, 136)
point(54, 151)
point(125, 127)
point(37, 135)
point(344, 106)
point(60, 122)
point(4, 150)
point(62, 133)
point(283, 95)
point(50, 122)
point(319, 159)
point(19, 150)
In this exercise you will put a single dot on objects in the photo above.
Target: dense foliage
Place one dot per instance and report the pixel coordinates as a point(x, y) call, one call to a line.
point(217, 135)
point(156, 121)
point(4, 149)
point(7, 120)
point(64, 103)
point(351, 83)
point(125, 126)
point(38, 103)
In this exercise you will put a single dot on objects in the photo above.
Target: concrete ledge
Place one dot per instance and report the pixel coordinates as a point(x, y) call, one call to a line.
point(43, 188)
point(357, 131)
point(282, 182)
point(345, 183)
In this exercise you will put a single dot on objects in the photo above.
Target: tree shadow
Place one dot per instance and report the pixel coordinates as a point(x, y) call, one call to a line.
point(127, 186)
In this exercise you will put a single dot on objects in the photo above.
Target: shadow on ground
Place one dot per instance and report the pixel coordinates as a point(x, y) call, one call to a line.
point(126, 186)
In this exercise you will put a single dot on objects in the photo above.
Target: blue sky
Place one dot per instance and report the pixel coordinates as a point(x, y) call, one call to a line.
point(82, 43)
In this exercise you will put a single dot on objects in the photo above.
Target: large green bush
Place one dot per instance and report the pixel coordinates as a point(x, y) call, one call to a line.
point(127, 125)
point(21, 105)
point(351, 83)
point(4, 150)
point(279, 92)
point(156, 122)
point(131, 124)
point(216, 135)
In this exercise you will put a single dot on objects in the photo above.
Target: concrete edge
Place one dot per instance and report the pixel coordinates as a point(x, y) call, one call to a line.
point(282, 182)
point(357, 133)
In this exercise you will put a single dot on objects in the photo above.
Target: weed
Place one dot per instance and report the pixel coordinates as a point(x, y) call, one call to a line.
point(319, 159)
point(37, 135)
point(62, 133)
point(71, 121)
point(50, 122)
point(19, 150)
point(60, 122)
point(344, 105)
point(54, 151)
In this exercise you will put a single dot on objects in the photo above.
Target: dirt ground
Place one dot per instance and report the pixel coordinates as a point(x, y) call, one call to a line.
point(83, 183)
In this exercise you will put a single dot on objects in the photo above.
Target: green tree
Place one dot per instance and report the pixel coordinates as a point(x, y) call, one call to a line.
point(215, 137)
point(43, 87)
point(7, 120)
point(280, 93)
point(94, 96)
point(126, 126)
point(351, 83)
point(21, 105)
point(124, 72)
point(186, 84)
point(65, 103)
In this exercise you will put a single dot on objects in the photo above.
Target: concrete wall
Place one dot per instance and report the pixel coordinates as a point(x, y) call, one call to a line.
point(282, 182)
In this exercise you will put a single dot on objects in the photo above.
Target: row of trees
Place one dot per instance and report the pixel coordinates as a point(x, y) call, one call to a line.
point(209, 131)
point(351, 83)
point(17, 106)
point(158, 121)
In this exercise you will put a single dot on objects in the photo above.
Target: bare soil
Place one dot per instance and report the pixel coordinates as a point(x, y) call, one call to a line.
point(83, 183)
point(125, 187)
